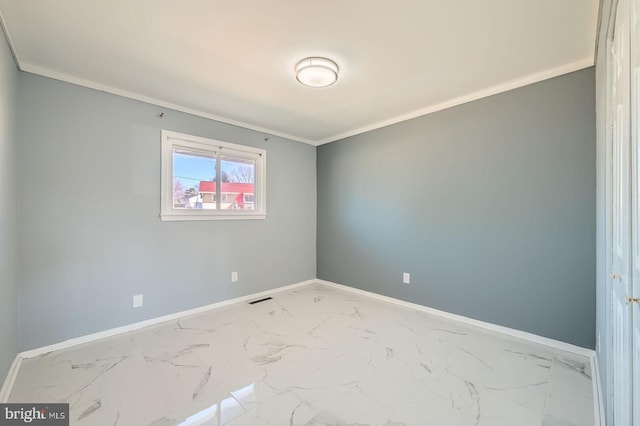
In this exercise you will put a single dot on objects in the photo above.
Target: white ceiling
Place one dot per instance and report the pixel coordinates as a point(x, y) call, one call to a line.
point(234, 60)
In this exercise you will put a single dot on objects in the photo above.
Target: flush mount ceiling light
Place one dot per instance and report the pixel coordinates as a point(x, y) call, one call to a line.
point(317, 72)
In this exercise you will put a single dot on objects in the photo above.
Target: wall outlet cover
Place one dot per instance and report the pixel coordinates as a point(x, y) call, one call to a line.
point(137, 301)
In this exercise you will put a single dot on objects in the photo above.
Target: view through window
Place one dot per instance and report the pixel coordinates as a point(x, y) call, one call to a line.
point(205, 175)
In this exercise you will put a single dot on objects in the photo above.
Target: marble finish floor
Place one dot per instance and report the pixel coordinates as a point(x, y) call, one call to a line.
point(312, 356)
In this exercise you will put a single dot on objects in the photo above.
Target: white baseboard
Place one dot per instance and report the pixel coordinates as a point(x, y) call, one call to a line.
point(556, 344)
point(10, 379)
point(153, 321)
point(15, 366)
point(171, 317)
point(470, 321)
point(598, 405)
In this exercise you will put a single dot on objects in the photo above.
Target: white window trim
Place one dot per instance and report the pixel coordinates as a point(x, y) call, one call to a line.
point(168, 213)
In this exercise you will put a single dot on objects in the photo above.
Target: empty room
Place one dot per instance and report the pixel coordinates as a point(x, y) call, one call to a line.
point(289, 213)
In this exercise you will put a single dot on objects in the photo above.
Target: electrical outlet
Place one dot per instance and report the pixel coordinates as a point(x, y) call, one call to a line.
point(137, 300)
point(234, 277)
point(406, 278)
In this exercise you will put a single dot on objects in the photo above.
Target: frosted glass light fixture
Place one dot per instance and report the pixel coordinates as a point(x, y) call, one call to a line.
point(317, 72)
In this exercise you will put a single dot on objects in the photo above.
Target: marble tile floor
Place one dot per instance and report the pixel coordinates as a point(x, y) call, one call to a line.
point(312, 356)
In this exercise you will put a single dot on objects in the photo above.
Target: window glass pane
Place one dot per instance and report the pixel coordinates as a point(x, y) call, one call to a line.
point(205, 179)
point(238, 176)
point(194, 179)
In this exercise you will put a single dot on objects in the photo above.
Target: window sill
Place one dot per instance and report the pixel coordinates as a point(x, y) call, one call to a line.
point(192, 217)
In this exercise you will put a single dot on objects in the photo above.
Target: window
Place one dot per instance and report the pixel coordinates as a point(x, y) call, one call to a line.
point(205, 179)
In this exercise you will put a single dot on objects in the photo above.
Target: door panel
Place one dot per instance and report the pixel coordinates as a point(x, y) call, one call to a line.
point(621, 215)
point(634, 59)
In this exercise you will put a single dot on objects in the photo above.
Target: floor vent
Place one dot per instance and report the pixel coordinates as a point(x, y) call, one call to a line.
point(260, 300)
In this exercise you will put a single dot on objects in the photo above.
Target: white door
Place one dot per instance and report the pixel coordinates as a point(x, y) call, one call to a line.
point(635, 205)
point(621, 215)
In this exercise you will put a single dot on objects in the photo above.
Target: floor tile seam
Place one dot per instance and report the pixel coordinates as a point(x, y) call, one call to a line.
point(500, 396)
point(312, 404)
point(548, 392)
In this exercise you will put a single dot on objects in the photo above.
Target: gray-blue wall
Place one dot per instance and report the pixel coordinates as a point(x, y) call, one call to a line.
point(8, 283)
point(489, 205)
point(88, 179)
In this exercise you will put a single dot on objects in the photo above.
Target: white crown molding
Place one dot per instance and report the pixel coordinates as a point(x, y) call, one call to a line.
point(45, 72)
point(12, 49)
point(489, 91)
point(500, 88)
